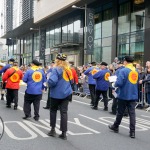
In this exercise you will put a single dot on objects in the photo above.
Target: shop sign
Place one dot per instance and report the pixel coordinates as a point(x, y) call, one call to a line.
point(90, 31)
point(42, 43)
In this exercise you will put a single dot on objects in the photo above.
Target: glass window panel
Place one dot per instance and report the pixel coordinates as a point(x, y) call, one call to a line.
point(106, 41)
point(137, 50)
point(52, 38)
point(123, 50)
point(137, 36)
point(57, 34)
point(97, 54)
point(97, 31)
point(124, 9)
point(107, 14)
point(97, 43)
point(123, 24)
point(137, 21)
point(70, 32)
point(98, 18)
point(77, 30)
point(123, 39)
point(64, 32)
point(47, 37)
point(107, 28)
point(106, 54)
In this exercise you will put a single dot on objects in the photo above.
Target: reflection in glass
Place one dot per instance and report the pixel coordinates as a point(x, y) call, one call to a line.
point(97, 31)
point(107, 28)
point(123, 50)
point(57, 34)
point(47, 38)
point(137, 50)
point(70, 32)
point(51, 38)
point(77, 28)
point(138, 21)
point(106, 54)
point(64, 32)
point(124, 24)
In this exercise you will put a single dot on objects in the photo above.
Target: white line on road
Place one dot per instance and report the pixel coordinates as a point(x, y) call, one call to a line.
point(145, 116)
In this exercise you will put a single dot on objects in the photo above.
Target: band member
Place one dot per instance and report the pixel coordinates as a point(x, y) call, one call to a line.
point(13, 76)
point(127, 80)
point(102, 85)
point(90, 72)
point(35, 78)
point(1, 82)
point(60, 93)
point(2, 70)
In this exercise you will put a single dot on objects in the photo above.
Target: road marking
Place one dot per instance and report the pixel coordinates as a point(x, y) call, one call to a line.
point(34, 127)
point(93, 119)
point(11, 135)
point(126, 121)
point(145, 116)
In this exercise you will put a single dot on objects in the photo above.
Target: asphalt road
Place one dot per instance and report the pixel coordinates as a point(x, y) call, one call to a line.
point(87, 129)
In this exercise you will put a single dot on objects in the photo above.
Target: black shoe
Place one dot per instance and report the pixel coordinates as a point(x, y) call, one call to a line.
point(2, 98)
point(8, 106)
point(94, 107)
point(63, 136)
point(52, 133)
point(46, 107)
point(105, 109)
point(111, 127)
point(15, 107)
point(26, 117)
point(132, 134)
point(36, 118)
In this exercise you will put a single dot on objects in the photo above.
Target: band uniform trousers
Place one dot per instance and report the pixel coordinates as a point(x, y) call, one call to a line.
point(28, 100)
point(122, 104)
point(63, 105)
point(92, 93)
point(12, 96)
point(114, 107)
point(105, 98)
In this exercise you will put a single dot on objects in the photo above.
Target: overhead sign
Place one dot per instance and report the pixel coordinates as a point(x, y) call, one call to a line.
point(90, 32)
point(42, 43)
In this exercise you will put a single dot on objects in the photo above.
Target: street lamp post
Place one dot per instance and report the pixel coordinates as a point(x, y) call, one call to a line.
point(88, 30)
point(85, 30)
point(41, 48)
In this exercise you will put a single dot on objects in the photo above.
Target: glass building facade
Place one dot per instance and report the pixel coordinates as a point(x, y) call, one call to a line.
point(120, 28)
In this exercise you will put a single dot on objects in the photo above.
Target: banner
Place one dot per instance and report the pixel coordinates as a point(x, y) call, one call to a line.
point(90, 31)
point(42, 43)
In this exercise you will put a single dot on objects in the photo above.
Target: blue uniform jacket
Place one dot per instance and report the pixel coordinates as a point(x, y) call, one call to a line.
point(102, 82)
point(34, 79)
point(90, 72)
point(5, 68)
point(127, 90)
point(59, 84)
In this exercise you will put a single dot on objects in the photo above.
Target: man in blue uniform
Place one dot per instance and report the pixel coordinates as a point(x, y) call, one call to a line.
point(127, 81)
point(90, 72)
point(34, 78)
point(102, 85)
